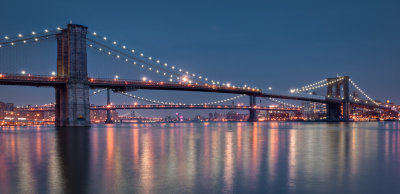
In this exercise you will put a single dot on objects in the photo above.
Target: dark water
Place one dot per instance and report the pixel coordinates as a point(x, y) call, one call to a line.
point(203, 158)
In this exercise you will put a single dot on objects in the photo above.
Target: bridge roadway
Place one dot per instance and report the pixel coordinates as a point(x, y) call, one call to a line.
point(131, 85)
point(169, 106)
point(31, 80)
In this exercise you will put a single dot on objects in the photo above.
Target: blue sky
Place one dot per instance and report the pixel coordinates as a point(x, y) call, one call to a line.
point(282, 44)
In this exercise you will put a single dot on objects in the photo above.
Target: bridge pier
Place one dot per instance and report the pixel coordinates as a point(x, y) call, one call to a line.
point(108, 120)
point(252, 112)
point(333, 111)
point(72, 99)
point(346, 111)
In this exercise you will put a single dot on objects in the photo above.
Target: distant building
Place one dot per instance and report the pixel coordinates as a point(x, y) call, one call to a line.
point(314, 111)
point(2, 109)
point(215, 117)
point(199, 118)
point(232, 115)
point(99, 116)
point(277, 115)
point(9, 107)
point(356, 96)
point(210, 116)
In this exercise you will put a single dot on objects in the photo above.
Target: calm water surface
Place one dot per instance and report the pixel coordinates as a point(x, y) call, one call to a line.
point(202, 158)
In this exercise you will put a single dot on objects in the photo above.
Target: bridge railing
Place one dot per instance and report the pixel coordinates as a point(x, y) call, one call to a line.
point(29, 77)
point(170, 84)
point(302, 95)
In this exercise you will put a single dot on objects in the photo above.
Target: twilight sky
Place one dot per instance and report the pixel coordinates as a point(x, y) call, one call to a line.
point(282, 44)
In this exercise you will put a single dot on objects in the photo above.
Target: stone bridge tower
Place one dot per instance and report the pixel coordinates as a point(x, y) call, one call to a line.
point(340, 90)
point(72, 99)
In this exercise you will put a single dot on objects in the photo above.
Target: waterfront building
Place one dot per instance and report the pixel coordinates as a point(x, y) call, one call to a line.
point(313, 111)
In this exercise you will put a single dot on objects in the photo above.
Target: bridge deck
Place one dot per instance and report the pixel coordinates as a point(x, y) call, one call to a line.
point(157, 85)
point(157, 106)
point(151, 85)
point(31, 80)
point(126, 85)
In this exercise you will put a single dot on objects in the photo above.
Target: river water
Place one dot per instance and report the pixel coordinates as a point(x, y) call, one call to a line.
point(274, 157)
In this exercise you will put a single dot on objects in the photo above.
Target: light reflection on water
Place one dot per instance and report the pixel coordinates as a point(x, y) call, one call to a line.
point(202, 157)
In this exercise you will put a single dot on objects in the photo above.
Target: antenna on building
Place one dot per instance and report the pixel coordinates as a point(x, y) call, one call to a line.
point(70, 21)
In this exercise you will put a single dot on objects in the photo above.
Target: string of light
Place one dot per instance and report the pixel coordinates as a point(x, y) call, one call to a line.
point(133, 61)
point(54, 103)
point(97, 91)
point(283, 103)
point(152, 59)
point(34, 36)
point(159, 63)
point(179, 103)
point(143, 62)
point(315, 85)
point(355, 99)
point(362, 92)
point(298, 90)
point(25, 41)
point(222, 101)
point(145, 99)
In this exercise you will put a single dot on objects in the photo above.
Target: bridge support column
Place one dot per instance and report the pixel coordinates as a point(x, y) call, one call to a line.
point(335, 91)
point(72, 99)
point(252, 112)
point(346, 111)
point(333, 111)
point(108, 120)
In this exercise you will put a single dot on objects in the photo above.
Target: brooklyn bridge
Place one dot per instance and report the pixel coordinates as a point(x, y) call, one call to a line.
point(72, 82)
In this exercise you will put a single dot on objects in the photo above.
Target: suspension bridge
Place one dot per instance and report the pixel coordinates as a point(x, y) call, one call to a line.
point(72, 82)
point(169, 106)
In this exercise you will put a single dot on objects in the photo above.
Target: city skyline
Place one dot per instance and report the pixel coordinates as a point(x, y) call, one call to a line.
point(199, 96)
point(207, 51)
